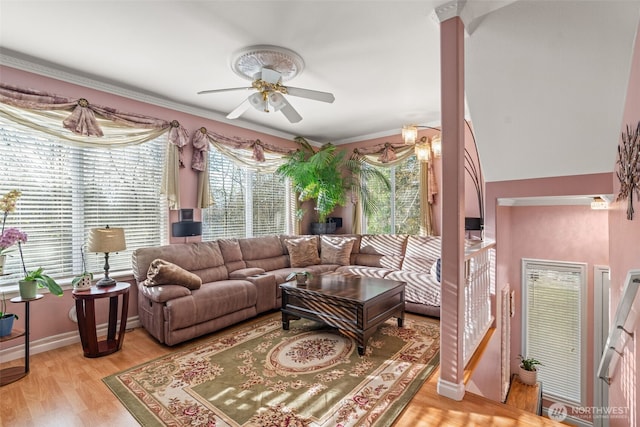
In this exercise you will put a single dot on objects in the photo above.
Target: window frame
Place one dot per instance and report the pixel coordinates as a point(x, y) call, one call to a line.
point(248, 174)
point(574, 267)
point(83, 215)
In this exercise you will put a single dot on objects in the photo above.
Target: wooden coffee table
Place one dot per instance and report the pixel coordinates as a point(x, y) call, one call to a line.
point(355, 305)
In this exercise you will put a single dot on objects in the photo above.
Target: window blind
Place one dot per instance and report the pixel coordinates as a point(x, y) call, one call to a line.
point(67, 190)
point(553, 326)
point(246, 203)
point(399, 209)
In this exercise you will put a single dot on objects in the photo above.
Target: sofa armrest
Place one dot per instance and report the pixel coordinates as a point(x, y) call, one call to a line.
point(243, 273)
point(163, 293)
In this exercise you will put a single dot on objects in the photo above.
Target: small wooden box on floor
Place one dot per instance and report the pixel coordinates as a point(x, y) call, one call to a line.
point(523, 396)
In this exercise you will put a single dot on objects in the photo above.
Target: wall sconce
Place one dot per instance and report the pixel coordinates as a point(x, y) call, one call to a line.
point(410, 137)
point(599, 203)
point(409, 134)
point(423, 149)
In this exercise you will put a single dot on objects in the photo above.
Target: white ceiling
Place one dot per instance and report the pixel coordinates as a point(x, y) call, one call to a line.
point(546, 80)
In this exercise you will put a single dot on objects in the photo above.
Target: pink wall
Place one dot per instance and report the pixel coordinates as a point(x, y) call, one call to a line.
point(501, 222)
point(558, 233)
point(624, 254)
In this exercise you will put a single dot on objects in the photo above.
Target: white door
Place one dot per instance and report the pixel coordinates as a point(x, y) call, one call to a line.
point(601, 332)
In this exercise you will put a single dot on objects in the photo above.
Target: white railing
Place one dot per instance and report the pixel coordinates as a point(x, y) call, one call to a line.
point(479, 288)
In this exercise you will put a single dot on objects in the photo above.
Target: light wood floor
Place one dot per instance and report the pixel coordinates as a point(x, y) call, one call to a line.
point(64, 388)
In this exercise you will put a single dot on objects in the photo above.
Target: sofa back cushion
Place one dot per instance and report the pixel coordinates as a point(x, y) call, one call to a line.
point(421, 253)
point(232, 254)
point(381, 250)
point(336, 249)
point(303, 251)
point(202, 258)
point(263, 252)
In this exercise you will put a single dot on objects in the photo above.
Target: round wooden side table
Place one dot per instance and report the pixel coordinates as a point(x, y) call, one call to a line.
point(85, 309)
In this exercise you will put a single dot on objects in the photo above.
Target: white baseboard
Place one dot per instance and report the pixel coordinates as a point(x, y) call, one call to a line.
point(56, 341)
point(451, 390)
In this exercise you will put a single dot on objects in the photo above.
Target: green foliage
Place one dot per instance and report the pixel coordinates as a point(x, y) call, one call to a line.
point(43, 281)
point(528, 363)
point(326, 177)
point(3, 308)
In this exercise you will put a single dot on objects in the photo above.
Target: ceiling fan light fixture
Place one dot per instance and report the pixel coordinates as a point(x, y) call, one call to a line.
point(259, 102)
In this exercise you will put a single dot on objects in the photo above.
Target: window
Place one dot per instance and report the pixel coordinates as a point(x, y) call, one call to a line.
point(246, 203)
point(554, 329)
point(399, 209)
point(68, 189)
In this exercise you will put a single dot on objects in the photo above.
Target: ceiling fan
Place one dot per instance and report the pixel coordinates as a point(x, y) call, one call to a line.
point(268, 67)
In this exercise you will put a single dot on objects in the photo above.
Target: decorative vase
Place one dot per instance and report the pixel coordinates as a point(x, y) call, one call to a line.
point(301, 279)
point(2, 260)
point(28, 289)
point(528, 377)
point(83, 284)
point(6, 324)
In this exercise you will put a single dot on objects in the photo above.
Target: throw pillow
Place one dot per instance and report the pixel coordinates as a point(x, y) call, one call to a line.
point(435, 270)
point(336, 250)
point(302, 251)
point(163, 272)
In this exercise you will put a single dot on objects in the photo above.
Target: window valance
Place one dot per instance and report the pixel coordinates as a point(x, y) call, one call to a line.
point(93, 125)
point(249, 153)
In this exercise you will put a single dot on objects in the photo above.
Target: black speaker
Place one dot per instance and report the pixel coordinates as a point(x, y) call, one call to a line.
point(185, 215)
point(473, 224)
point(337, 220)
point(186, 228)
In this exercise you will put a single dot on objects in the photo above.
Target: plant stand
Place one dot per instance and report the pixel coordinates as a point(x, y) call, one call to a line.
point(9, 375)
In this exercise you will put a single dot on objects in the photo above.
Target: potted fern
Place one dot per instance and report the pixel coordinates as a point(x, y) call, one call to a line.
point(528, 372)
point(326, 176)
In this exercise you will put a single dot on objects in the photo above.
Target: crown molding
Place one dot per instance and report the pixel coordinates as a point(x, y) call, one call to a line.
point(448, 10)
point(46, 70)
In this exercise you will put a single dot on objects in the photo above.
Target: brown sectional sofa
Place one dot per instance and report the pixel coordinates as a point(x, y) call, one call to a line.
point(241, 277)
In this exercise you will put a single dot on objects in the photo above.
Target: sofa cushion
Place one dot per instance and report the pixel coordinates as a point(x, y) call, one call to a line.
point(162, 272)
point(365, 271)
point(381, 250)
point(211, 301)
point(336, 250)
point(420, 287)
point(421, 253)
point(231, 253)
point(302, 252)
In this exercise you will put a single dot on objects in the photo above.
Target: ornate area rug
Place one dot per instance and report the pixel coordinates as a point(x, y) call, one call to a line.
point(260, 375)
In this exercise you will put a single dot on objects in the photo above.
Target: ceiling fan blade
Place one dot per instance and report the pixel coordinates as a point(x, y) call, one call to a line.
point(270, 76)
point(289, 112)
point(202, 92)
point(239, 110)
point(311, 94)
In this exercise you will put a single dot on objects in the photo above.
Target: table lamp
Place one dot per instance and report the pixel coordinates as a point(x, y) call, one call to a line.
point(106, 240)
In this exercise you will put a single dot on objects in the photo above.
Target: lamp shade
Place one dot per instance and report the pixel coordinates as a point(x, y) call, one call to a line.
point(106, 240)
